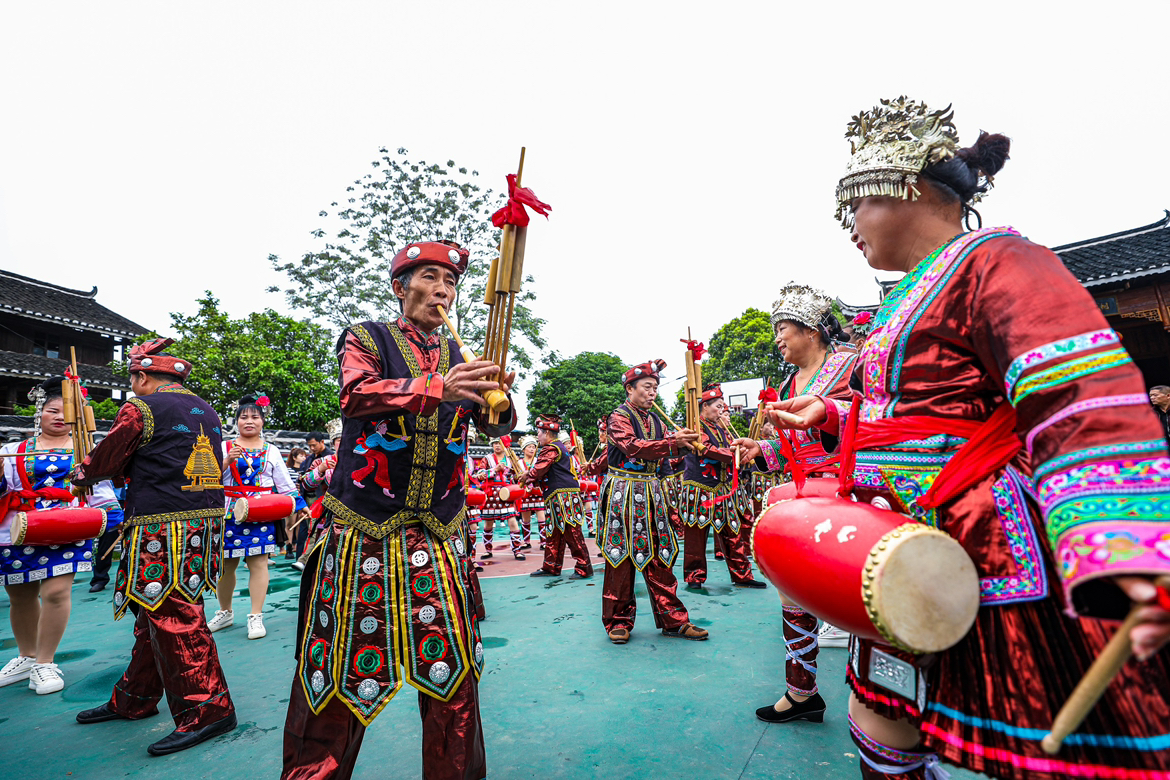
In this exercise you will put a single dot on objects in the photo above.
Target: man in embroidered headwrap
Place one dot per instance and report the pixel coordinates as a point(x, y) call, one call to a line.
point(165, 443)
point(635, 532)
point(385, 597)
point(996, 404)
point(553, 470)
point(707, 501)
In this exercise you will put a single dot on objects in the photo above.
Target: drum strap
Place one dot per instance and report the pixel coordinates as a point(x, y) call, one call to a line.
point(240, 490)
point(24, 499)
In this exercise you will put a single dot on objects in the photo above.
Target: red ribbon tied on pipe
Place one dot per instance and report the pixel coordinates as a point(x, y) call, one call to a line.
point(513, 212)
point(696, 347)
point(769, 395)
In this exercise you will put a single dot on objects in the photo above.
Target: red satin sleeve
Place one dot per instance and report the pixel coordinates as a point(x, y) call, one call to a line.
point(364, 393)
point(598, 465)
point(109, 458)
point(545, 459)
point(622, 435)
point(722, 454)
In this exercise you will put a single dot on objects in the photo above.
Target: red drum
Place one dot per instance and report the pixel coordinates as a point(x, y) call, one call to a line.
point(476, 497)
point(816, 486)
point(872, 572)
point(263, 508)
point(511, 493)
point(587, 486)
point(66, 525)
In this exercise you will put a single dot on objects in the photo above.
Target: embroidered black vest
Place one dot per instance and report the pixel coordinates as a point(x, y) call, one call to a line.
point(560, 475)
point(704, 470)
point(401, 468)
point(175, 473)
point(619, 460)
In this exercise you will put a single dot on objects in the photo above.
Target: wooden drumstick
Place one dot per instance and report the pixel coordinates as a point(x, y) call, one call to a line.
point(117, 539)
point(1092, 686)
point(788, 417)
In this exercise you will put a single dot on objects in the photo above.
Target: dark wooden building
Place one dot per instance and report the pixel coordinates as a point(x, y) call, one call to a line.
point(1128, 274)
point(40, 321)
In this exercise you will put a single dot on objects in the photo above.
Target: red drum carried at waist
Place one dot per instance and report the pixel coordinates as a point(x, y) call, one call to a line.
point(872, 572)
point(823, 488)
point(587, 486)
point(66, 525)
point(511, 492)
point(476, 497)
point(263, 508)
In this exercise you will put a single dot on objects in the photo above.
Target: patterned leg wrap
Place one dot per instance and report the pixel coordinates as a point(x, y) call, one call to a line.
point(489, 532)
point(526, 529)
point(515, 537)
point(880, 762)
point(800, 644)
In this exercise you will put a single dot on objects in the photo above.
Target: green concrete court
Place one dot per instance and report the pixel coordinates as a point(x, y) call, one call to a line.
point(559, 701)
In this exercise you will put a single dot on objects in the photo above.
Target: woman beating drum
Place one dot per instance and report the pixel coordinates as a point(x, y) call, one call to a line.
point(39, 577)
point(253, 475)
point(988, 339)
point(806, 335)
point(533, 501)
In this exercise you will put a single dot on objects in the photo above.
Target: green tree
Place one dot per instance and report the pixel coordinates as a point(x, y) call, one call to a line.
point(583, 387)
point(289, 360)
point(402, 202)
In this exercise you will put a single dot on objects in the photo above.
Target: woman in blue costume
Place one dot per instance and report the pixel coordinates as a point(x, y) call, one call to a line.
point(250, 462)
point(39, 578)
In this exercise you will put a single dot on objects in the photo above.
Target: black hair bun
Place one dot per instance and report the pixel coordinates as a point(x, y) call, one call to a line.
point(988, 154)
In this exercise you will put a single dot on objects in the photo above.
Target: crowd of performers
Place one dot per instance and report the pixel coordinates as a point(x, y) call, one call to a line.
point(989, 399)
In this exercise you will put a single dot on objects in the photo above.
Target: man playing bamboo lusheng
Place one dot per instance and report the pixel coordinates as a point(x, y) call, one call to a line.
point(562, 496)
point(635, 526)
point(166, 444)
point(384, 596)
point(708, 501)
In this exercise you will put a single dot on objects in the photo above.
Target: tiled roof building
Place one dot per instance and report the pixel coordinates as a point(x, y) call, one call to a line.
point(40, 321)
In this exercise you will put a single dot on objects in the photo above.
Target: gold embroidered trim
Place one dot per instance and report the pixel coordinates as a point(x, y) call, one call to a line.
point(366, 339)
point(172, 517)
point(147, 419)
point(343, 515)
point(174, 389)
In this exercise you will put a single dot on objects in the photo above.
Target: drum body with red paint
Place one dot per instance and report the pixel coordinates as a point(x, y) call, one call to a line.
point(263, 508)
point(66, 525)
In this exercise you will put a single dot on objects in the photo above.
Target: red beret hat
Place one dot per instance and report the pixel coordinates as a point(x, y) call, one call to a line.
point(447, 254)
point(549, 422)
point(146, 358)
point(652, 368)
point(712, 393)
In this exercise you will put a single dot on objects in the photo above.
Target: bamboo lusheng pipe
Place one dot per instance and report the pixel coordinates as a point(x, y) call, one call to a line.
point(1092, 686)
point(464, 350)
point(695, 446)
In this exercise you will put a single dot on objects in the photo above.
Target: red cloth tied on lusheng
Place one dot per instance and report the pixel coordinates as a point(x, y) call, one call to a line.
point(513, 212)
point(24, 500)
point(696, 347)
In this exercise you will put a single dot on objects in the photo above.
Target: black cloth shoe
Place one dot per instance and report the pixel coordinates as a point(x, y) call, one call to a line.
point(694, 586)
point(181, 740)
point(485, 556)
point(543, 573)
point(97, 586)
point(99, 714)
point(750, 584)
point(811, 709)
point(526, 546)
point(578, 576)
point(519, 556)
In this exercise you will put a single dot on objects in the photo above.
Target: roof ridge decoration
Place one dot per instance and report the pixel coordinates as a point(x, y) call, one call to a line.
point(890, 144)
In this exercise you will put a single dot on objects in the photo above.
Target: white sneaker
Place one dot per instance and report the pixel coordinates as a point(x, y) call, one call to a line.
point(298, 565)
point(831, 636)
point(256, 626)
point(45, 678)
point(222, 619)
point(17, 669)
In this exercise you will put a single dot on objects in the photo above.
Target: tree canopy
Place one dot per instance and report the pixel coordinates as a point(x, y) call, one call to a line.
point(583, 387)
point(289, 360)
point(398, 203)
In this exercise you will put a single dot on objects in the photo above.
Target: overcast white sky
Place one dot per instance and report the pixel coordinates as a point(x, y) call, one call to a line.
point(689, 150)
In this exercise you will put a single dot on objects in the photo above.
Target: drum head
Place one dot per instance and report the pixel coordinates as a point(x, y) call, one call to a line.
point(925, 591)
